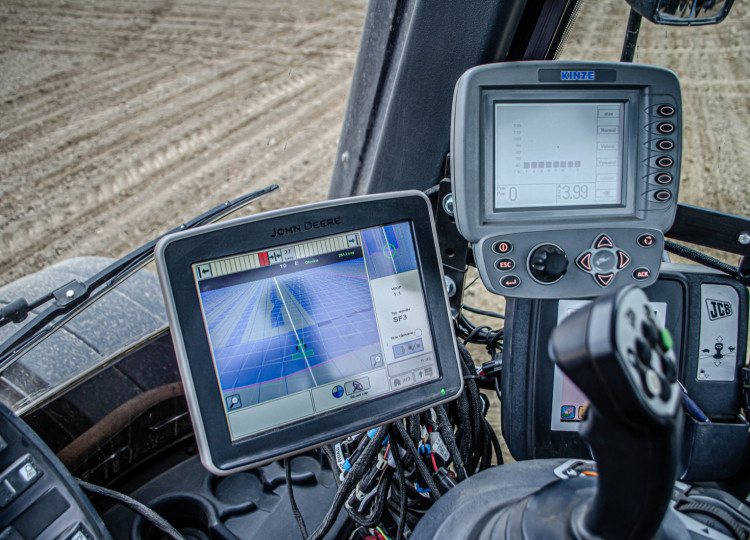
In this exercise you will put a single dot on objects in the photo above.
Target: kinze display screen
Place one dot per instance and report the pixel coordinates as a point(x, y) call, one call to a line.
point(309, 327)
point(558, 154)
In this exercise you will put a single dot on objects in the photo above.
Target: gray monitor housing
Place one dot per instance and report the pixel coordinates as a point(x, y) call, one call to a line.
point(298, 327)
point(565, 174)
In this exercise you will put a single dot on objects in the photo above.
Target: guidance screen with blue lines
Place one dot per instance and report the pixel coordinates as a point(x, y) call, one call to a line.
point(309, 327)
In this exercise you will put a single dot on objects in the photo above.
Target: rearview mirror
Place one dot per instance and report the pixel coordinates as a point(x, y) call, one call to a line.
point(682, 12)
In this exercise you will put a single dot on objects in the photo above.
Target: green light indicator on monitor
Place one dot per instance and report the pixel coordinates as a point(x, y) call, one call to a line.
point(442, 390)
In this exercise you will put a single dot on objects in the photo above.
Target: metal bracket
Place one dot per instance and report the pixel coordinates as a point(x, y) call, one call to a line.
point(69, 293)
point(715, 230)
point(453, 247)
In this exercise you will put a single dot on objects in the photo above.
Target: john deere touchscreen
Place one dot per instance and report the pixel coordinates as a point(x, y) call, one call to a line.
point(299, 327)
point(313, 326)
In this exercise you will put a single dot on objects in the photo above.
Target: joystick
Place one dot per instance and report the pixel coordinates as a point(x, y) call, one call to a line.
point(619, 356)
point(548, 263)
point(616, 352)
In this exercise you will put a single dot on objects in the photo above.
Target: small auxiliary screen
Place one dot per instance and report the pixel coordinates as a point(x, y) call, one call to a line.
point(309, 327)
point(569, 403)
point(558, 154)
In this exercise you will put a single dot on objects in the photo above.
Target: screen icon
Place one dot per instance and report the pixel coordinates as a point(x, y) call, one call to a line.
point(357, 385)
point(376, 360)
point(234, 402)
point(582, 410)
point(204, 271)
point(568, 412)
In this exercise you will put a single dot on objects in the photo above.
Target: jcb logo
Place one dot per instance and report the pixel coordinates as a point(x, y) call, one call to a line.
point(718, 309)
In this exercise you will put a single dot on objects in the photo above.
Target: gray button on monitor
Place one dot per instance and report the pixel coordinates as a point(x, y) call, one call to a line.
point(357, 385)
point(603, 261)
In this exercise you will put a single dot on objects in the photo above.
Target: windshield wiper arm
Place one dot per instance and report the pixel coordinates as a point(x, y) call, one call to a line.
point(75, 294)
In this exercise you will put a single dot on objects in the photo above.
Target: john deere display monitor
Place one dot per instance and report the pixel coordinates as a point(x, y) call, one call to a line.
point(299, 327)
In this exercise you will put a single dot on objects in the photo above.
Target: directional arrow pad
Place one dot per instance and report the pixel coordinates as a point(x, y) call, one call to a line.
point(603, 254)
point(584, 261)
point(623, 259)
point(603, 241)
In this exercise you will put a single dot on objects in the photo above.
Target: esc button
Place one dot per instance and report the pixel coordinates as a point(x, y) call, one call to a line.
point(502, 247)
point(505, 264)
point(510, 282)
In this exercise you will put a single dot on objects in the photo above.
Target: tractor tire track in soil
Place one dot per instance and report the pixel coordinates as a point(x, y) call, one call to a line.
point(120, 120)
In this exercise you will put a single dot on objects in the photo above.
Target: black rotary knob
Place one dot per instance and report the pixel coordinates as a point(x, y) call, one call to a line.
point(548, 263)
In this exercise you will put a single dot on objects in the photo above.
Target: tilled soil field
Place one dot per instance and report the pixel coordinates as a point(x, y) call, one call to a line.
point(119, 120)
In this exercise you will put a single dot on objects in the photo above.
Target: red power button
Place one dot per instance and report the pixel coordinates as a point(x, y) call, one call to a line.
point(502, 247)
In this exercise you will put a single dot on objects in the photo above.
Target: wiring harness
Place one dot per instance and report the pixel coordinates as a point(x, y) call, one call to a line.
point(389, 476)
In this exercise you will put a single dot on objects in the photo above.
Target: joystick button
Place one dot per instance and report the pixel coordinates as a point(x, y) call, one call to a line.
point(666, 339)
point(623, 259)
point(666, 391)
point(650, 333)
point(653, 384)
point(669, 369)
point(643, 350)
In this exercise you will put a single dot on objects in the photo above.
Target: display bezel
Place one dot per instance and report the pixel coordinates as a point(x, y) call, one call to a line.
point(176, 255)
point(627, 207)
